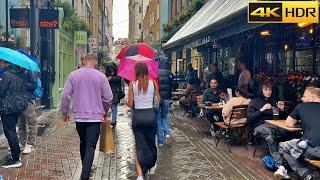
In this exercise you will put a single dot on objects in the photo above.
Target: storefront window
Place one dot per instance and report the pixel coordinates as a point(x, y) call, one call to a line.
point(276, 62)
point(304, 60)
point(318, 61)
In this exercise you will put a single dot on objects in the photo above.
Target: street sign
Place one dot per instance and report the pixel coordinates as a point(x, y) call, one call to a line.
point(19, 17)
point(49, 18)
point(80, 37)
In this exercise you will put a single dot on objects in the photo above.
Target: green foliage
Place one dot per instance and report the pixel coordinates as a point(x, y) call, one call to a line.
point(175, 24)
point(71, 22)
point(197, 4)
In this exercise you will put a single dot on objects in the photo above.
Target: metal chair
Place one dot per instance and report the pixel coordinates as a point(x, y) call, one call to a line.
point(231, 132)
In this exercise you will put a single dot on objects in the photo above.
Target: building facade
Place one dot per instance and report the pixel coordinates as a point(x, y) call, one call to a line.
point(137, 11)
point(151, 23)
point(108, 25)
point(176, 7)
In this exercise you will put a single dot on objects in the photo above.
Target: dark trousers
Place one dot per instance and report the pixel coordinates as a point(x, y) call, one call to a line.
point(272, 135)
point(89, 135)
point(9, 122)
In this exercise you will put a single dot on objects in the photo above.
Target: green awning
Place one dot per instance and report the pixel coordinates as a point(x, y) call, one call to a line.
point(211, 13)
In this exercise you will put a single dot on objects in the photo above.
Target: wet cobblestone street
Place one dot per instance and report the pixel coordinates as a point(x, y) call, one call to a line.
point(188, 155)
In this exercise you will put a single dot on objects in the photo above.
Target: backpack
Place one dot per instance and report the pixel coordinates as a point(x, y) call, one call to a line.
point(39, 91)
point(269, 163)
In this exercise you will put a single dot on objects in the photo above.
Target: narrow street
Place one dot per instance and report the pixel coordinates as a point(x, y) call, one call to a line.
point(188, 155)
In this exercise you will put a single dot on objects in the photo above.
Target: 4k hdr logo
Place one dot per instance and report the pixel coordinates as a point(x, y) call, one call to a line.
point(283, 12)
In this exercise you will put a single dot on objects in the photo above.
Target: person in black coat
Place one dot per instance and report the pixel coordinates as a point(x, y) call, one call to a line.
point(116, 85)
point(261, 109)
point(165, 79)
point(191, 73)
point(13, 101)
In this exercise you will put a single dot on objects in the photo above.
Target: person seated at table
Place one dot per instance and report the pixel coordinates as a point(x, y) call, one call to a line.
point(240, 99)
point(293, 151)
point(186, 99)
point(259, 110)
point(212, 95)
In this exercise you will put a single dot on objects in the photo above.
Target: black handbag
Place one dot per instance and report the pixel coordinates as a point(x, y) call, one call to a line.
point(121, 94)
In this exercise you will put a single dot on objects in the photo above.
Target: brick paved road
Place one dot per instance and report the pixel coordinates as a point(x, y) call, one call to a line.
point(188, 156)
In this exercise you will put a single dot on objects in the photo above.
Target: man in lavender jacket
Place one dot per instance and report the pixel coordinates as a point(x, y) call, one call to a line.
point(91, 97)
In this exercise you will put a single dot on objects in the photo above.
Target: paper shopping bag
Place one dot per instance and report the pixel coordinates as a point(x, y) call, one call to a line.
point(106, 138)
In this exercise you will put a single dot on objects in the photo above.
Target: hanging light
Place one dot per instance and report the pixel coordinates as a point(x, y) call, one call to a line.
point(303, 24)
point(286, 47)
point(311, 31)
point(265, 33)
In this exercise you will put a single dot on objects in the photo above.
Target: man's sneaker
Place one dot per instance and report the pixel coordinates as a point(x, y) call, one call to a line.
point(28, 149)
point(160, 145)
point(167, 139)
point(140, 178)
point(10, 163)
point(281, 173)
point(153, 169)
point(308, 177)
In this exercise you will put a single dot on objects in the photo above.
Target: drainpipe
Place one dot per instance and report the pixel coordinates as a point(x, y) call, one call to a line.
point(7, 24)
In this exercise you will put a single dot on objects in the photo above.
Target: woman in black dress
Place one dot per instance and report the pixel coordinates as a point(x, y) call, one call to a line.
point(141, 94)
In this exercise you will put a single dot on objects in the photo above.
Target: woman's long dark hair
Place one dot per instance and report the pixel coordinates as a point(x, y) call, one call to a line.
point(142, 76)
point(242, 90)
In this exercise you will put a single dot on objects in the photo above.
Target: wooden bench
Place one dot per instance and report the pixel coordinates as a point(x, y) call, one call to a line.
point(314, 163)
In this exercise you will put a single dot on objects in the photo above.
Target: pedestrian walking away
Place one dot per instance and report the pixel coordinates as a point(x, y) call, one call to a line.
point(117, 89)
point(92, 98)
point(27, 123)
point(13, 101)
point(165, 88)
point(143, 92)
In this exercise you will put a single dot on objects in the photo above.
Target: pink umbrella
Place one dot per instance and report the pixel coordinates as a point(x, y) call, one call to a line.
point(126, 67)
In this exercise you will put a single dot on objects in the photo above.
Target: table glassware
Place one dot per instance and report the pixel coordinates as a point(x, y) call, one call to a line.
point(275, 112)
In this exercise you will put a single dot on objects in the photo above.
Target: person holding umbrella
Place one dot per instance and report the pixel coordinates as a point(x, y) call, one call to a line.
point(13, 101)
point(141, 95)
point(13, 97)
point(27, 123)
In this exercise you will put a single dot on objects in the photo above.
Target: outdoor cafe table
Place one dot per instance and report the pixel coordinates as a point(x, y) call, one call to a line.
point(280, 124)
point(214, 106)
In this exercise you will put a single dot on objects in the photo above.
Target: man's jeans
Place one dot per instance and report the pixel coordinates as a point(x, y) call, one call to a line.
point(114, 112)
point(162, 120)
point(298, 165)
point(9, 122)
point(270, 133)
point(28, 123)
point(89, 134)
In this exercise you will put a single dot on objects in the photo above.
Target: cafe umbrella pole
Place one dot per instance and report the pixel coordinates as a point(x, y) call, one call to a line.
point(32, 29)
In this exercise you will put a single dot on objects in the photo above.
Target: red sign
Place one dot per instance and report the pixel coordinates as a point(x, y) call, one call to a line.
point(19, 18)
point(49, 18)
point(48, 24)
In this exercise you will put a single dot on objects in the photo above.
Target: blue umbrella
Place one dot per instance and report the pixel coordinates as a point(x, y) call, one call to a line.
point(18, 59)
point(30, 57)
